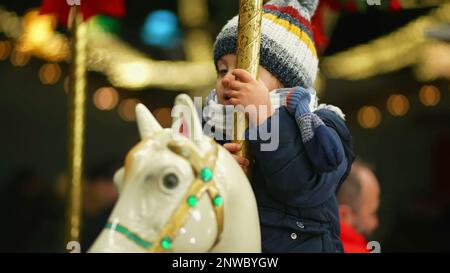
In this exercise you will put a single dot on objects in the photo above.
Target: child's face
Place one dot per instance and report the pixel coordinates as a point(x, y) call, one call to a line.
point(225, 66)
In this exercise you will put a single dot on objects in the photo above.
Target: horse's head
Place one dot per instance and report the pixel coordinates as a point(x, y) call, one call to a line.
point(172, 188)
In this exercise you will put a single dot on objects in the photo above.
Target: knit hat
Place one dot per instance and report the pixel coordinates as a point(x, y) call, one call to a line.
point(287, 46)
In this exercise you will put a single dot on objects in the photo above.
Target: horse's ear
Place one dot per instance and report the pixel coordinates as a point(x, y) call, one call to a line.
point(147, 124)
point(118, 179)
point(185, 120)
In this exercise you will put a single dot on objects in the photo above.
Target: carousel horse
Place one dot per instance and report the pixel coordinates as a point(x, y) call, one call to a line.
point(180, 193)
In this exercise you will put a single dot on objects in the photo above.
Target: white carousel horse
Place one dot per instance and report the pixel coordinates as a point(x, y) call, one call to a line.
point(180, 194)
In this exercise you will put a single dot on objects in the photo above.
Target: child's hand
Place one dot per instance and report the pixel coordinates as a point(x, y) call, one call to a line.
point(245, 91)
point(234, 148)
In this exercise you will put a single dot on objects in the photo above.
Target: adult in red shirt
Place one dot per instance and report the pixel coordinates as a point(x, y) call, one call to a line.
point(358, 200)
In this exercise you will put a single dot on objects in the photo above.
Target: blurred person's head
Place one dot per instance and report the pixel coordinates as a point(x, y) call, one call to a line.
point(99, 189)
point(358, 199)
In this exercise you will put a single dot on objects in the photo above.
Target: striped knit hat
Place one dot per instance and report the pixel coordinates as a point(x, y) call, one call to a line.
point(287, 46)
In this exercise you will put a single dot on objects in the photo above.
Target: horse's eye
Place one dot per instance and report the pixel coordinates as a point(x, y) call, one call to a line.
point(170, 181)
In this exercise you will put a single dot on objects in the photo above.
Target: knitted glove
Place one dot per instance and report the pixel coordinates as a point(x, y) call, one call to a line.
point(322, 147)
point(297, 101)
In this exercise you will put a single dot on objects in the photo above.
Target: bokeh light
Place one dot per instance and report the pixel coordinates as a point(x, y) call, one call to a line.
point(5, 49)
point(19, 58)
point(397, 105)
point(429, 95)
point(161, 28)
point(369, 117)
point(38, 28)
point(40, 39)
point(106, 98)
point(127, 109)
point(163, 115)
point(50, 73)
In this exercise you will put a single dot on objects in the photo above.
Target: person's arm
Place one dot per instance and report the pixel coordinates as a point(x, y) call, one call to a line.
point(288, 171)
point(321, 144)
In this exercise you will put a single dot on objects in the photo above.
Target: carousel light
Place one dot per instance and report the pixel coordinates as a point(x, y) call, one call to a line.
point(429, 95)
point(434, 61)
point(39, 37)
point(397, 105)
point(193, 13)
point(50, 73)
point(38, 28)
point(124, 66)
point(106, 98)
point(19, 58)
point(369, 117)
point(134, 74)
point(388, 53)
point(5, 49)
point(160, 28)
point(127, 109)
point(198, 45)
point(10, 23)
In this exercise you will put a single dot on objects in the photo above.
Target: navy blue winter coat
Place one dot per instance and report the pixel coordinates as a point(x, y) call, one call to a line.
point(297, 203)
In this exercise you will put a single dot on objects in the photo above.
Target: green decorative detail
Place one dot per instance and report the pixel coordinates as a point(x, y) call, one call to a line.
point(129, 234)
point(166, 243)
point(206, 174)
point(106, 23)
point(192, 201)
point(218, 200)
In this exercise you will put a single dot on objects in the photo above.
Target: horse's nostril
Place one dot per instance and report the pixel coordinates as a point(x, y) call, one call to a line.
point(171, 181)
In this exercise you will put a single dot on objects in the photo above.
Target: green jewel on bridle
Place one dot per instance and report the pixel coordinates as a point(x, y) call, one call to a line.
point(203, 167)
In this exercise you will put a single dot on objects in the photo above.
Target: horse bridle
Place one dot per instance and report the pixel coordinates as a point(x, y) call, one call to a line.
point(203, 168)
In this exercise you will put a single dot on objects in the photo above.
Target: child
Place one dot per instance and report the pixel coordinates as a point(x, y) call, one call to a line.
point(295, 184)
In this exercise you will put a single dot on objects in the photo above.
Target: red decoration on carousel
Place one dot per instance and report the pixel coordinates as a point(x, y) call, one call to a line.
point(320, 38)
point(88, 8)
point(395, 5)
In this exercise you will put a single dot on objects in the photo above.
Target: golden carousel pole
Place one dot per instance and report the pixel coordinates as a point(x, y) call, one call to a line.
point(77, 90)
point(248, 54)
